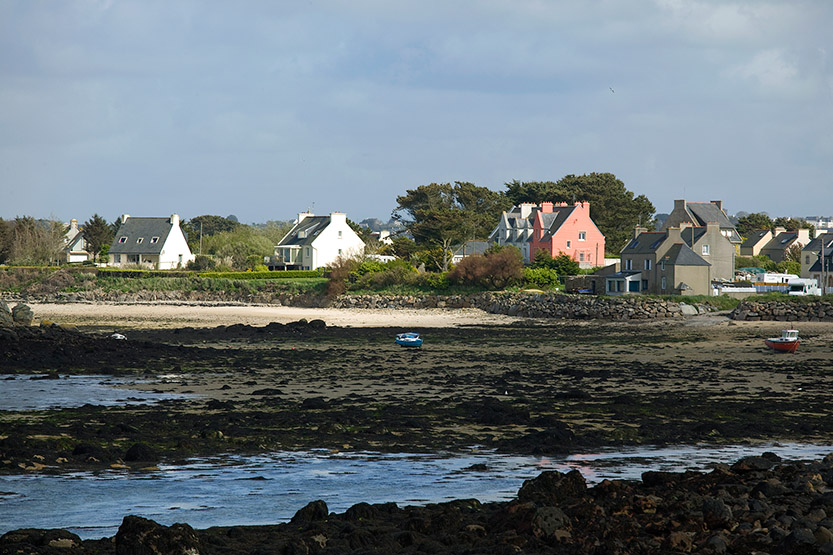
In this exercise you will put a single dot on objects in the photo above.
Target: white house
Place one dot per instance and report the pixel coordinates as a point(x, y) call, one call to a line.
point(316, 242)
point(152, 242)
point(75, 245)
point(515, 228)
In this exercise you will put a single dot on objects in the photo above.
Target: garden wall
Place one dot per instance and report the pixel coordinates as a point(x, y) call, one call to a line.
point(784, 311)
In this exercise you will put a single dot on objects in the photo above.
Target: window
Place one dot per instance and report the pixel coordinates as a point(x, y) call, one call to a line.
point(663, 284)
point(339, 234)
point(644, 284)
point(568, 244)
point(807, 259)
point(154, 240)
point(662, 266)
point(139, 240)
point(646, 264)
point(629, 264)
point(306, 251)
point(117, 258)
point(611, 286)
point(705, 250)
point(339, 252)
point(122, 239)
point(582, 235)
point(581, 257)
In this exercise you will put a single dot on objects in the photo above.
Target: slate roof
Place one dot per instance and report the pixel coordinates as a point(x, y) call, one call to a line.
point(681, 254)
point(814, 246)
point(305, 231)
point(645, 243)
point(781, 241)
point(754, 237)
point(703, 213)
point(554, 220)
point(139, 234)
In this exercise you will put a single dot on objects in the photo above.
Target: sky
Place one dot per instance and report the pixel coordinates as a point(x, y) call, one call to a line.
point(263, 109)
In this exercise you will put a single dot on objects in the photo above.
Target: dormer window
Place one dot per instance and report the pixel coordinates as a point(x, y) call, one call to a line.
point(154, 240)
point(122, 239)
point(302, 234)
point(140, 240)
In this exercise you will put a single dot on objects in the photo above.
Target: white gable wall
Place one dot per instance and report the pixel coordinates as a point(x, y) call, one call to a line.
point(175, 252)
point(329, 245)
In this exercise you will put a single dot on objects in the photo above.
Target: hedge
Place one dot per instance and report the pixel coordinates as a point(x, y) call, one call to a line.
point(287, 274)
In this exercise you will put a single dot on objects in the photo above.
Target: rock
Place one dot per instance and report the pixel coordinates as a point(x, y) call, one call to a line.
point(141, 536)
point(139, 452)
point(688, 310)
point(552, 487)
point(797, 541)
point(547, 521)
point(39, 541)
point(6, 319)
point(315, 510)
point(747, 464)
point(716, 514)
point(22, 315)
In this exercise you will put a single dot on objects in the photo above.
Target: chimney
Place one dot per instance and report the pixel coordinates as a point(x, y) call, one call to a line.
point(124, 217)
point(674, 234)
point(718, 203)
point(679, 205)
point(73, 225)
point(639, 229)
point(546, 207)
point(526, 209)
point(780, 229)
point(338, 217)
point(175, 220)
point(302, 215)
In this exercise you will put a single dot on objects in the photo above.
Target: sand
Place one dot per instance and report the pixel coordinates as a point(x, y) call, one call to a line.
point(163, 315)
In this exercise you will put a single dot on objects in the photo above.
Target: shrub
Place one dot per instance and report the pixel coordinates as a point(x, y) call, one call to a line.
point(545, 278)
point(201, 263)
point(494, 270)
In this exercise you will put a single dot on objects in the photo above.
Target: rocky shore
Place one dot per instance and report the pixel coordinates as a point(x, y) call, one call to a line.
point(759, 504)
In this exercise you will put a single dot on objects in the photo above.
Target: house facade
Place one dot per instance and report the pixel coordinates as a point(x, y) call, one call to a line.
point(755, 241)
point(157, 243)
point(515, 229)
point(817, 261)
point(782, 241)
point(316, 242)
point(700, 214)
point(567, 229)
point(75, 245)
point(675, 261)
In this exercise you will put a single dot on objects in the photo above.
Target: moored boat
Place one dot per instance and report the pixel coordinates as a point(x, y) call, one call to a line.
point(787, 343)
point(409, 339)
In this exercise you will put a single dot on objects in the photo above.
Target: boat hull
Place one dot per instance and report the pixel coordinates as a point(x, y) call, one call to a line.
point(782, 346)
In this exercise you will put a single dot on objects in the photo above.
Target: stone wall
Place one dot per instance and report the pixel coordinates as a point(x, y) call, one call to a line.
point(534, 305)
point(521, 304)
point(784, 311)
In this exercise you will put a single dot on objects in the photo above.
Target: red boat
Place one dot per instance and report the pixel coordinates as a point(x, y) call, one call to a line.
point(787, 343)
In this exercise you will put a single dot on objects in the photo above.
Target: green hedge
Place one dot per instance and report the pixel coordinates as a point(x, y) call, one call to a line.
point(294, 274)
point(140, 274)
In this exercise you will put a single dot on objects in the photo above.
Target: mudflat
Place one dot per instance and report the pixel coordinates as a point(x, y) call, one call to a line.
point(270, 378)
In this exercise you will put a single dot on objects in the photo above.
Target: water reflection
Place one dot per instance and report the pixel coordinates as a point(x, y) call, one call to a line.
point(26, 392)
point(269, 489)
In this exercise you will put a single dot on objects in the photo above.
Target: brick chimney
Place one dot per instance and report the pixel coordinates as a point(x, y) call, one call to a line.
point(546, 207)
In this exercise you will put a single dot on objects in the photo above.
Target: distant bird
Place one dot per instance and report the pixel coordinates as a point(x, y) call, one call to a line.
point(611, 89)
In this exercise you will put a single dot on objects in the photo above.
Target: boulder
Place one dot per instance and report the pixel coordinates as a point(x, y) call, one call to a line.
point(553, 487)
point(139, 452)
point(315, 510)
point(142, 536)
point(23, 315)
point(6, 319)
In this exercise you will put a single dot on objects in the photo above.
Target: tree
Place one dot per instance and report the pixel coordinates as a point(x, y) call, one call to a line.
point(793, 254)
point(752, 222)
point(206, 226)
point(614, 209)
point(496, 269)
point(6, 232)
point(441, 215)
point(98, 233)
point(792, 224)
point(563, 264)
point(37, 242)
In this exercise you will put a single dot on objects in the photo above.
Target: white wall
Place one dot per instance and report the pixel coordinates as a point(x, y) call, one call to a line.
point(175, 245)
point(327, 245)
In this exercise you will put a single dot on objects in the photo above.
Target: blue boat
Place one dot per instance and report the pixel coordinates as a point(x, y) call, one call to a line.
point(409, 339)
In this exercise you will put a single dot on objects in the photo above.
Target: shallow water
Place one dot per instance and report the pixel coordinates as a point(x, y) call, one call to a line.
point(28, 392)
point(269, 489)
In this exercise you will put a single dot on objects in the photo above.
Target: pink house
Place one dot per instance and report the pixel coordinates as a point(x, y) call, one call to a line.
point(560, 228)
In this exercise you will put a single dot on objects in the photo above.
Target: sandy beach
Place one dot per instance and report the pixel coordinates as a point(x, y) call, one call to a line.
point(170, 315)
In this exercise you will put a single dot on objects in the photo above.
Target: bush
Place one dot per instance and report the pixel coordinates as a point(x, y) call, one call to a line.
point(545, 278)
point(201, 263)
point(494, 270)
point(563, 264)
